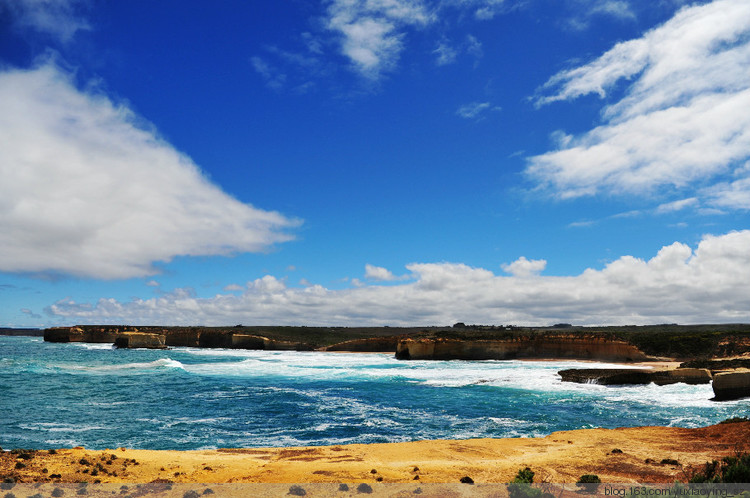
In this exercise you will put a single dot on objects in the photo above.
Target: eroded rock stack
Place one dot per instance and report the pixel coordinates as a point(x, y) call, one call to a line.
point(633, 376)
point(732, 385)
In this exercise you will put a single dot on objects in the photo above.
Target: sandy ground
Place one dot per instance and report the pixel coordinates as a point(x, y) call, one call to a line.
point(646, 454)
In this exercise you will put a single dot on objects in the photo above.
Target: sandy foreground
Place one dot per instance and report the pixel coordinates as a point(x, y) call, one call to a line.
point(645, 454)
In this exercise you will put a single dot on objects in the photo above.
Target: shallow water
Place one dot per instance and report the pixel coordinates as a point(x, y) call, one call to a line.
point(62, 395)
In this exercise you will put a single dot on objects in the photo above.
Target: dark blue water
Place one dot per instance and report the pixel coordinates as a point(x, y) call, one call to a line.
point(63, 395)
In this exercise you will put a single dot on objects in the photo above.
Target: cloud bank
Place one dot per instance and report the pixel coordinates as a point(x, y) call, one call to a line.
point(679, 284)
point(682, 120)
point(89, 190)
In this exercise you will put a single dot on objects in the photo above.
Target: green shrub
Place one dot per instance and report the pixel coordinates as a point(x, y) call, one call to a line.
point(524, 476)
point(730, 470)
point(589, 479)
point(735, 420)
point(520, 486)
point(588, 483)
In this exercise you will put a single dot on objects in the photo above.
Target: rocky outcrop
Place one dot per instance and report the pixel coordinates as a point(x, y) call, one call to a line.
point(171, 336)
point(718, 365)
point(633, 376)
point(690, 376)
point(104, 334)
point(144, 340)
point(214, 339)
point(64, 334)
point(732, 385)
point(187, 338)
point(373, 345)
point(537, 347)
point(247, 341)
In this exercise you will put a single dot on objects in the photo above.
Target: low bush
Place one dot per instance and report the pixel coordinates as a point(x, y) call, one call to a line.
point(588, 483)
point(520, 486)
point(735, 420)
point(734, 469)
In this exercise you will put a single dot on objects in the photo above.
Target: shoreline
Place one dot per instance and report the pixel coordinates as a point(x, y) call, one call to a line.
point(626, 455)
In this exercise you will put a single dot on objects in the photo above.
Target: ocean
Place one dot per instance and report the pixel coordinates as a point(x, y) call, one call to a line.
point(63, 395)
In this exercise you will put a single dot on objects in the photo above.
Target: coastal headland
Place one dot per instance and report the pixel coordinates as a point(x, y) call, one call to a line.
point(460, 341)
point(645, 454)
point(639, 454)
point(624, 344)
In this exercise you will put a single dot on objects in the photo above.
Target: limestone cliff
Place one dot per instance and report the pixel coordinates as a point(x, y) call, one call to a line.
point(535, 347)
point(126, 336)
point(373, 345)
point(247, 341)
point(143, 340)
point(732, 385)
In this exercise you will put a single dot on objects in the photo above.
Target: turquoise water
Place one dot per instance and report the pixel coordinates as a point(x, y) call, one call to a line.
point(64, 395)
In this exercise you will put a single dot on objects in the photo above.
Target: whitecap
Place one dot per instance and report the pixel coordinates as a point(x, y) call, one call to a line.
point(163, 363)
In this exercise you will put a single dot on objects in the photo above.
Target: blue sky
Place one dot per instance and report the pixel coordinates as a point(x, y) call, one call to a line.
point(374, 162)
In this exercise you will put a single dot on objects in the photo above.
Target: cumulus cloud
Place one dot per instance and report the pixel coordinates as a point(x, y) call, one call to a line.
point(709, 283)
point(380, 274)
point(682, 119)
point(372, 31)
point(523, 267)
point(90, 190)
point(61, 19)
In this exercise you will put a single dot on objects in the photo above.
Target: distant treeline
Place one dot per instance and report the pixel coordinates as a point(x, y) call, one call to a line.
point(28, 332)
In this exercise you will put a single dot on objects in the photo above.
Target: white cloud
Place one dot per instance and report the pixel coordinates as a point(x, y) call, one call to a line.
point(614, 8)
point(585, 12)
point(472, 110)
point(89, 190)
point(446, 54)
point(707, 284)
point(731, 195)
point(523, 267)
point(371, 31)
point(682, 119)
point(475, 110)
point(58, 18)
point(380, 274)
point(474, 47)
point(485, 10)
point(274, 78)
point(679, 205)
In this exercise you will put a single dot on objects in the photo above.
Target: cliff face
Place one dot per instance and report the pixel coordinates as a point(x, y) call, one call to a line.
point(132, 340)
point(546, 347)
point(247, 341)
point(374, 345)
point(158, 337)
point(94, 334)
point(732, 385)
